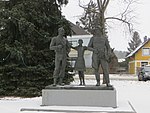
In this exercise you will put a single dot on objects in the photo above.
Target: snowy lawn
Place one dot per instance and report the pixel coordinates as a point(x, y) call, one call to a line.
point(137, 92)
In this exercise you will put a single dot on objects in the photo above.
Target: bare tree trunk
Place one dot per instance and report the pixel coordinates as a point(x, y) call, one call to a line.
point(102, 6)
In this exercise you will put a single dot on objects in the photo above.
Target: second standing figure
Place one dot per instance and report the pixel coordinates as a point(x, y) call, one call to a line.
point(80, 62)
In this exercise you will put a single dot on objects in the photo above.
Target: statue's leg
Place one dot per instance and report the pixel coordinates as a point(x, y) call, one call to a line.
point(97, 76)
point(56, 71)
point(82, 73)
point(104, 81)
point(95, 65)
point(80, 77)
point(62, 71)
point(105, 68)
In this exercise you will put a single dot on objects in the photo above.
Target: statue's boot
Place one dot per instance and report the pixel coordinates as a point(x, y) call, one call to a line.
point(61, 82)
point(98, 83)
point(83, 81)
point(55, 82)
point(97, 78)
point(80, 80)
point(109, 85)
point(104, 81)
point(80, 84)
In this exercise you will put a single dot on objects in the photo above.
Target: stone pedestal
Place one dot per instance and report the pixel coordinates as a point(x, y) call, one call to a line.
point(98, 96)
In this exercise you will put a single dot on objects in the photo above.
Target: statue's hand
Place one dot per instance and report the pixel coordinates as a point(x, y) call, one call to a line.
point(108, 57)
point(59, 46)
point(95, 51)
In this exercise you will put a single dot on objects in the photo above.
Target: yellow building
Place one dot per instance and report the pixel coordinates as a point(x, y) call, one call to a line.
point(139, 57)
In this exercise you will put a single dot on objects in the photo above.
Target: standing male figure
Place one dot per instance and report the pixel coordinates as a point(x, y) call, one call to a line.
point(61, 47)
point(101, 51)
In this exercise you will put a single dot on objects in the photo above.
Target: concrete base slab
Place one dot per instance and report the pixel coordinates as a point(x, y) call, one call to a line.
point(123, 107)
point(96, 96)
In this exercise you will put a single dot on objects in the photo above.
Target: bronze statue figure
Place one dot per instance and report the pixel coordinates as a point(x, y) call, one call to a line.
point(80, 62)
point(101, 51)
point(61, 47)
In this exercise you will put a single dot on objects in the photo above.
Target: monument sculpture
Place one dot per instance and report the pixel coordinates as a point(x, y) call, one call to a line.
point(80, 62)
point(61, 47)
point(72, 95)
point(101, 52)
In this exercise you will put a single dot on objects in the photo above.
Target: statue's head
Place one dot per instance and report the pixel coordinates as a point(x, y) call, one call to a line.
point(80, 41)
point(97, 31)
point(61, 31)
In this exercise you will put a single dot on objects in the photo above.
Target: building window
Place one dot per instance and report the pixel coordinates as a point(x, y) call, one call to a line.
point(146, 51)
point(144, 64)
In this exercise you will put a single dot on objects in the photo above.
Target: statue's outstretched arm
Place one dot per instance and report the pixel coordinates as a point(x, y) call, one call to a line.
point(90, 45)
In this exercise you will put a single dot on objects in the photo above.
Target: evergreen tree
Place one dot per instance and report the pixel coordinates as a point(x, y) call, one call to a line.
point(26, 28)
point(134, 42)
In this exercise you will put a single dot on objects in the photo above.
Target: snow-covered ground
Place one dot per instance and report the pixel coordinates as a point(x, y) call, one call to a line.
point(136, 92)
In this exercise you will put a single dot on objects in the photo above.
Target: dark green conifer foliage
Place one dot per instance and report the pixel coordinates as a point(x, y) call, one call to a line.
point(26, 28)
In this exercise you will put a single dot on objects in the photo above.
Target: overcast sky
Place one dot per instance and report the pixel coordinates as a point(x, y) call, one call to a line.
point(117, 36)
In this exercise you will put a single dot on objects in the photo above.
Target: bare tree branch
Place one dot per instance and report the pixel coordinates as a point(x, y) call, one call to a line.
point(122, 20)
point(99, 5)
point(95, 14)
point(127, 8)
point(106, 4)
